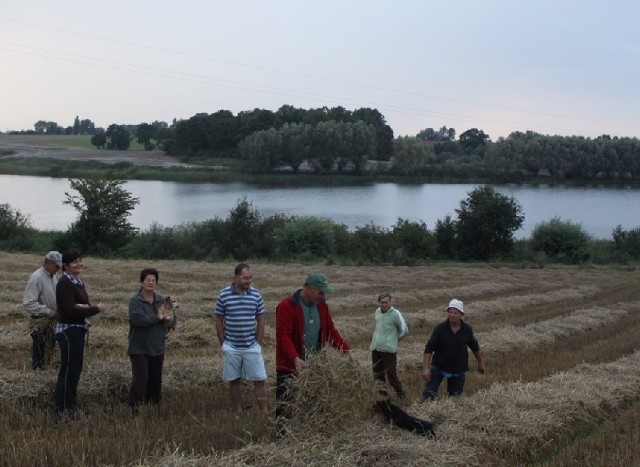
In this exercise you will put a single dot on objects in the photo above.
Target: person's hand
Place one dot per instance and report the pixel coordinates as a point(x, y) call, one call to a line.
point(102, 308)
point(167, 333)
point(426, 374)
point(52, 314)
point(300, 364)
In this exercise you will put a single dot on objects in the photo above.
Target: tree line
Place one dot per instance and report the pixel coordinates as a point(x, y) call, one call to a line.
point(482, 230)
point(335, 139)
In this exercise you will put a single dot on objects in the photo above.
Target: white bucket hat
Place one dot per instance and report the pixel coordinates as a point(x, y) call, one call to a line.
point(457, 304)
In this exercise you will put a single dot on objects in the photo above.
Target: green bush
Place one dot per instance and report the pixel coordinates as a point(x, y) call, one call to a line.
point(15, 228)
point(486, 223)
point(268, 230)
point(413, 241)
point(307, 236)
point(157, 242)
point(193, 240)
point(445, 237)
point(562, 241)
point(241, 230)
point(372, 244)
point(626, 242)
point(103, 207)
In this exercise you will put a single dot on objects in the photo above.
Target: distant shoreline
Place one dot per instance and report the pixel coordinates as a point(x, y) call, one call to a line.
point(64, 156)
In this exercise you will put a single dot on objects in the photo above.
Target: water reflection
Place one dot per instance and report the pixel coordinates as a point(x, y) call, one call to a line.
point(599, 210)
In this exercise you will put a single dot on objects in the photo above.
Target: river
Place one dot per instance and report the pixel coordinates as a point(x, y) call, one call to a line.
point(599, 210)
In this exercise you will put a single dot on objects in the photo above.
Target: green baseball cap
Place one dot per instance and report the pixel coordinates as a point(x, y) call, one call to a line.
point(320, 281)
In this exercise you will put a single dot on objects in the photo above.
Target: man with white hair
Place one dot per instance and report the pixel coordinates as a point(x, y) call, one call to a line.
point(39, 301)
point(446, 356)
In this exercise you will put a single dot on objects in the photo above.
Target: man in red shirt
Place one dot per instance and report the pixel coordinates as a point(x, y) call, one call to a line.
point(303, 326)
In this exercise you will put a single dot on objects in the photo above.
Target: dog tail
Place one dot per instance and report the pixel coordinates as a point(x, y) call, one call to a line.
point(402, 419)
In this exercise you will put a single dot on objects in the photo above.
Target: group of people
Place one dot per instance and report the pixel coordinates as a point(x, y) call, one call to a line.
point(304, 325)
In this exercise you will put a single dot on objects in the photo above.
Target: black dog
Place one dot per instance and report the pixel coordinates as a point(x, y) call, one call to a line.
point(394, 414)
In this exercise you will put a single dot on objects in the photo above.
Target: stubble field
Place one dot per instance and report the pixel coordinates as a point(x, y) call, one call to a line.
point(562, 385)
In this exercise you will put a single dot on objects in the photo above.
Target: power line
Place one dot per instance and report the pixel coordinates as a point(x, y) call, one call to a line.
point(136, 68)
point(207, 80)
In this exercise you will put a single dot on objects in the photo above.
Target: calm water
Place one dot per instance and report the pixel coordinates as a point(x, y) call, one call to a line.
point(599, 210)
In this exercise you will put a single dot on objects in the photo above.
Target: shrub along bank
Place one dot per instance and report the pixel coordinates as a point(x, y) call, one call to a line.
point(245, 234)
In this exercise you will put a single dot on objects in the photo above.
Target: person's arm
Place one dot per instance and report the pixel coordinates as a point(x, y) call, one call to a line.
point(403, 329)
point(285, 312)
point(139, 315)
point(337, 340)
point(30, 299)
point(478, 355)
point(260, 319)
point(426, 366)
point(429, 348)
point(67, 306)
point(218, 317)
point(334, 335)
point(475, 348)
point(260, 329)
point(220, 328)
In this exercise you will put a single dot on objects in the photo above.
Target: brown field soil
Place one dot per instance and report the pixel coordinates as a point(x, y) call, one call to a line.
point(561, 346)
point(52, 147)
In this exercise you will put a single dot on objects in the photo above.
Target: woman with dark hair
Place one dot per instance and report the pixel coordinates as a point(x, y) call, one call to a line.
point(73, 307)
point(148, 331)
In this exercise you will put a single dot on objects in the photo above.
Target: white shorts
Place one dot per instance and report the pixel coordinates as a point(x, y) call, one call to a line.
point(247, 364)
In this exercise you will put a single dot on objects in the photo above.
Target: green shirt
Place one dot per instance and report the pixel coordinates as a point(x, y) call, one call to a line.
point(311, 326)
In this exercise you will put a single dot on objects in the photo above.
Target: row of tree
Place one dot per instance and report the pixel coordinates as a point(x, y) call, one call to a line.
point(566, 157)
point(119, 137)
point(326, 146)
point(219, 134)
point(332, 139)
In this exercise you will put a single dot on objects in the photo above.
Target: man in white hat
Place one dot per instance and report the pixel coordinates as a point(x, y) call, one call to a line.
point(446, 356)
point(39, 301)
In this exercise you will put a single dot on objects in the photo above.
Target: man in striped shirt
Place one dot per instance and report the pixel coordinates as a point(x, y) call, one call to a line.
point(239, 318)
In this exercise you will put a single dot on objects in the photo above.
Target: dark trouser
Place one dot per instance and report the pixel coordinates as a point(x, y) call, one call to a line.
point(146, 381)
point(455, 384)
point(43, 341)
point(71, 344)
point(37, 351)
point(283, 399)
point(385, 363)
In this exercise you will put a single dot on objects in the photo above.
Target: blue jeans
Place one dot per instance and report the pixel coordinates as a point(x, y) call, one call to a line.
point(455, 384)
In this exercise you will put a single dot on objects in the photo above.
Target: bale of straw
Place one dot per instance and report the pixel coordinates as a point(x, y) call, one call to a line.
point(45, 326)
point(332, 394)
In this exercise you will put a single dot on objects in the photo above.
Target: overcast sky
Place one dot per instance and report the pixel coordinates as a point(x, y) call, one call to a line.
point(567, 67)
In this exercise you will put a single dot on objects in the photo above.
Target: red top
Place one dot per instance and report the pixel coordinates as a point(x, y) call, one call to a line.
point(290, 332)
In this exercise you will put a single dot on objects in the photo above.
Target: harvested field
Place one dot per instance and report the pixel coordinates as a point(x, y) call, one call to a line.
point(562, 348)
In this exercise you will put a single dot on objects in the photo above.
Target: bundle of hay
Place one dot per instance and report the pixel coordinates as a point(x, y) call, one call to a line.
point(333, 393)
point(46, 327)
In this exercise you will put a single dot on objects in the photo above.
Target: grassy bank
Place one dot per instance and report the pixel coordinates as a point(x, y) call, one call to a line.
point(561, 346)
point(44, 167)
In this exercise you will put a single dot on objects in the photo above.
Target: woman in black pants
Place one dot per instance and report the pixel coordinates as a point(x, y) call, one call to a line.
point(73, 306)
point(147, 336)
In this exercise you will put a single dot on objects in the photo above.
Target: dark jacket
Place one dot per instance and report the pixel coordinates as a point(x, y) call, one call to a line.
point(449, 349)
point(68, 297)
point(146, 330)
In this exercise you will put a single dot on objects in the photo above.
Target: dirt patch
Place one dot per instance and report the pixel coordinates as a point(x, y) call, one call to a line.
point(49, 147)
